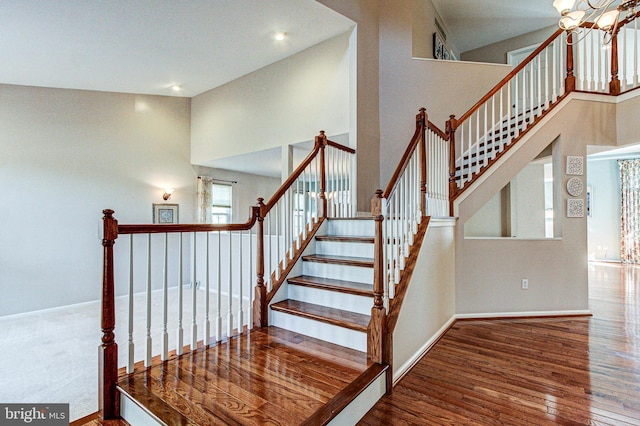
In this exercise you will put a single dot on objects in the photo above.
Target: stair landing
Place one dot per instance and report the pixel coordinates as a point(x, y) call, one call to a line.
point(269, 376)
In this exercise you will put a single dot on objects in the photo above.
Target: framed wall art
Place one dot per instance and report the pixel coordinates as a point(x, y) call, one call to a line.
point(438, 47)
point(165, 213)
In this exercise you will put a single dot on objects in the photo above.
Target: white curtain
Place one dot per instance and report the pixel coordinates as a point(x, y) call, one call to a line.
point(630, 215)
point(205, 199)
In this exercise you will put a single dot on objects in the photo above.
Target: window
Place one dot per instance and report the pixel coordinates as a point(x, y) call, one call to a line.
point(221, 203)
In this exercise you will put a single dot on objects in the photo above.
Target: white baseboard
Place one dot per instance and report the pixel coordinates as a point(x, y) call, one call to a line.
point(490, 315)
point(404, 369)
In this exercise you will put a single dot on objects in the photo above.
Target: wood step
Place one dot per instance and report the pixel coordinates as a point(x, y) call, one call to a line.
point(340, 260)
point(365, 240)
point(339, 317)
point(349, 287)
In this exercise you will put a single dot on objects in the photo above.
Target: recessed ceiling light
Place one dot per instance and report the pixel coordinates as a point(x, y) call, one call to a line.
point(176, 87)
point(279, 36)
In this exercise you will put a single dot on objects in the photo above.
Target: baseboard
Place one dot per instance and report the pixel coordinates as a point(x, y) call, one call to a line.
point(524, 314)
point(408, 365)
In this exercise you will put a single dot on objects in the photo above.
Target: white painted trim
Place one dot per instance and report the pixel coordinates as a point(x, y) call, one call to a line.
point(441, 222)
point(366, 399)
point(488, 315)
point(135, 414)
point(412, 361)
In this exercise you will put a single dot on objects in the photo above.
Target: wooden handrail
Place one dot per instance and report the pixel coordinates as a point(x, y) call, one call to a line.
point(340, 147)
point(509, 76)
point(197, 227)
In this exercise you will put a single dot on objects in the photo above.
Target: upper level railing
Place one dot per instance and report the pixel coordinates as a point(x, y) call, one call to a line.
point(560, 65)
point(201, 283)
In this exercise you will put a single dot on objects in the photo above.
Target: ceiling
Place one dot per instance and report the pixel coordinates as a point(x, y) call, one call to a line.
point(148, 46)
point(473, 23)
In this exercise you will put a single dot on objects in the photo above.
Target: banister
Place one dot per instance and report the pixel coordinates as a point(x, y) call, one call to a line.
point(197, 227)
point(340, 147)
point(509, 76)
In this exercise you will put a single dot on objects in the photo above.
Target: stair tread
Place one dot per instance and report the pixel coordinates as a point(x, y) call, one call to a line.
point(340, 260)
point(350, 287)
point(345, 239)
point(339, 317)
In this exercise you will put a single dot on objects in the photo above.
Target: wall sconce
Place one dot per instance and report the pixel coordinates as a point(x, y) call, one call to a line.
point(167, 194)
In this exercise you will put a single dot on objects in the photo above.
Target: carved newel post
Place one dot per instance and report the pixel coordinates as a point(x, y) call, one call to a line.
point(260, 318)
point(376, 329)
point(108, 351)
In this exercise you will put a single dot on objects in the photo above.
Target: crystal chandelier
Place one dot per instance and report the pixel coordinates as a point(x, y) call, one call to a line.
point(604, 16)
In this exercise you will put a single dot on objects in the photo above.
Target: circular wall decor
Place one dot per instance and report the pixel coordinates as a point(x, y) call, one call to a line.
point(575, 186)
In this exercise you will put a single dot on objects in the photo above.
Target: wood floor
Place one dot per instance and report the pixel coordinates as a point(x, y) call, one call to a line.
point(270, 376)
point(571, 371)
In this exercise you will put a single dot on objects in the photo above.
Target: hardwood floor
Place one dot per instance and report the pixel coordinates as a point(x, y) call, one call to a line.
point(270, 376)
point(569, 371)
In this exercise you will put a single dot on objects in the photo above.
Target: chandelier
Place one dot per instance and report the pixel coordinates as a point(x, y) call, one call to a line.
point(604, 16)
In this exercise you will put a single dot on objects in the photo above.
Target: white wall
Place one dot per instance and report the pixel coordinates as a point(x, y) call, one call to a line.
point(497, 52)
point(66, 156)
point(604, 224)
point(489, 271)
point(430, 300)
point(281, 104)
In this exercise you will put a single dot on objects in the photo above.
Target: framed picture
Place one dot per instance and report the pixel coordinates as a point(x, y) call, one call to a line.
point(165, 213)
point(438, 47)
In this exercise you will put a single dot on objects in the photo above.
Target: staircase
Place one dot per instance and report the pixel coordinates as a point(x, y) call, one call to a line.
point(331, 294)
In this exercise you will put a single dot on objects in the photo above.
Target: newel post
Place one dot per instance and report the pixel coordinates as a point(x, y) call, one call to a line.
point(377, 324)
point(570, 79)
point(614, 84)
point(321, 141)
point(108, 351)
point(260, 318)
point(421, 121)
point(451, 126)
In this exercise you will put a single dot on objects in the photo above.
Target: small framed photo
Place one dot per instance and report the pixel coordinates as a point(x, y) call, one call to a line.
point(165, 213)
point(438, 47)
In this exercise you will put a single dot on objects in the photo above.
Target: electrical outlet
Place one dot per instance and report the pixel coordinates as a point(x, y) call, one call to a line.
point(525, 284)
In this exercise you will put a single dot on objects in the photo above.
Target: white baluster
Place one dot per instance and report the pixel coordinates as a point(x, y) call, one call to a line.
point(219, 291)
point(250, 291)
point(180, 331)
point(147, 360)
point(131, 346)
point(240, 301)
point(165, 300)
point(194, 326)
point(207, 293)
point(230, 287)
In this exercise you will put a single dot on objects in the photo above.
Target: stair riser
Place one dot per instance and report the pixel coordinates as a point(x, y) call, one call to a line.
point(339, 335)
point(134, 415)
point(351, 228)
point(344, 249)
point(332, 299)
point(338, 272)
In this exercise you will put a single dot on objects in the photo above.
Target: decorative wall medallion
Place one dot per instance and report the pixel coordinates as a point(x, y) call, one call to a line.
point(575, 207)
point(575, 165)
point(575, 186)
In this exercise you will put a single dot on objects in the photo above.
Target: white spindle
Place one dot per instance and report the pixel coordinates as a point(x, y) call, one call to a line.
point(240, 301)
point(207, 292)
point(165, 299)
point(219, 291)
point(147, 360)
point(131, 345)
point(250, 291)
point(635, 53)
point(230, 287)
point(278, 242)
point(180, 331)
point(194, 289)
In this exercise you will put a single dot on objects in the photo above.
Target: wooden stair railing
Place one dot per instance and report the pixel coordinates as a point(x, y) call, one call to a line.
point(533, 88)
point(278, 231)
point(416, 190)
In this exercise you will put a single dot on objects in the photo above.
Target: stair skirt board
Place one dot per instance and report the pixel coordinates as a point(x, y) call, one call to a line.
point(338, 335)
point(338, 272)
point(331, 299)
point(135, 414)
point(357, 408)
